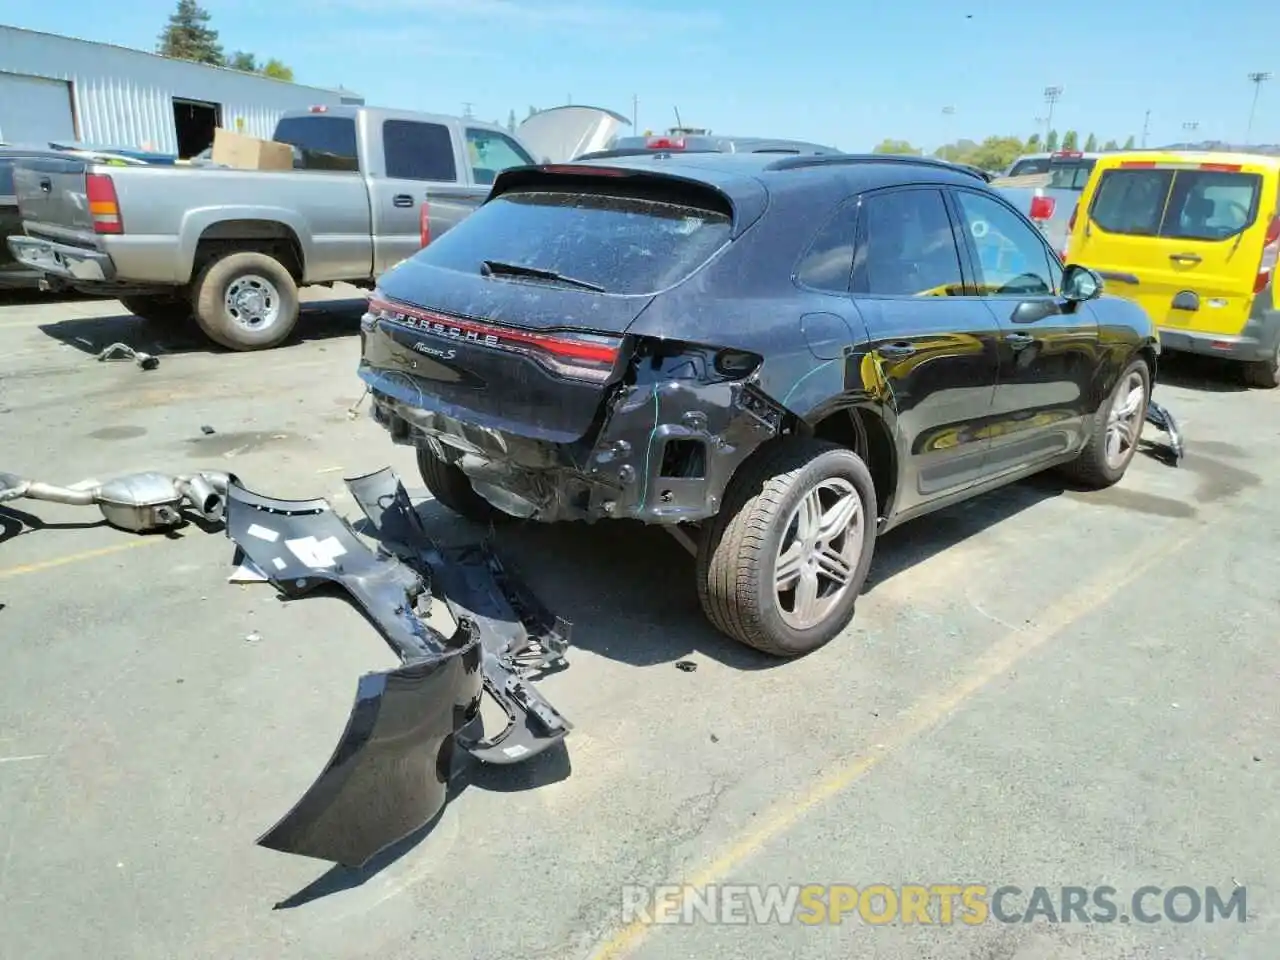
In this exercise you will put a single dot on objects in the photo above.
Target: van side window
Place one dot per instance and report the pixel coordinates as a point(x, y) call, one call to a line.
point(413, 150)
point(1211, 205)
point(827, 263)
point(1131, 201)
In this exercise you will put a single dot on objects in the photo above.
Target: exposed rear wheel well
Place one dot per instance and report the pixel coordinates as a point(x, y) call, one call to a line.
point(867, 435)
point(1148, 356)
point(261, 236)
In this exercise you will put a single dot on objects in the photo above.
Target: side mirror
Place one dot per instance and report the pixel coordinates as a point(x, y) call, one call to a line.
point(1080, 283)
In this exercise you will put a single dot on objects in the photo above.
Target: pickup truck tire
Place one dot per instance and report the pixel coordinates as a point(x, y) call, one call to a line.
point(1117, 428)
point(774, 513)
point(452, 489)
point(246, 301)
point(159, 309)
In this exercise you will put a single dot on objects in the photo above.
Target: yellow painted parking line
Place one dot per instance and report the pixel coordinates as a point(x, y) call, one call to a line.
point(923, 716)
point(6, 572)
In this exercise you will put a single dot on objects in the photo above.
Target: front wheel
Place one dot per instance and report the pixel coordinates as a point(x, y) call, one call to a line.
point(246, 301)
point(1117, 427)
point(781, 566)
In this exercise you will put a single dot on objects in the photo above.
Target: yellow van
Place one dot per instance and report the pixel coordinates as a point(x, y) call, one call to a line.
point(1193, 237)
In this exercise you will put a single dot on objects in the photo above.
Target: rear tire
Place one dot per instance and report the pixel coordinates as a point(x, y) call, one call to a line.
point(1264, 374)
point(1117, 428)
point(246, 301)
point(768, 505)
point(166, 310)
point(452, 488)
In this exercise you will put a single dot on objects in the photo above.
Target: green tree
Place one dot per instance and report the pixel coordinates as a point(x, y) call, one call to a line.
point(1090, 144)
point(511, 121)
point(1033, 144)
point(1110, 146)
point(1071, 140)
point(188, 36)
point(1051, 141)
point(1128, 144)
point(996, 153)
point(243, 61)
point(277, 70)
point(897, 147)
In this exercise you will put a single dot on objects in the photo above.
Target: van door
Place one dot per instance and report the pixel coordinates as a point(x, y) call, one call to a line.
point(1182, 239)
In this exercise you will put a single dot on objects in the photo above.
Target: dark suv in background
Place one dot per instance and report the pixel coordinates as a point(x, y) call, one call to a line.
point(777, 358)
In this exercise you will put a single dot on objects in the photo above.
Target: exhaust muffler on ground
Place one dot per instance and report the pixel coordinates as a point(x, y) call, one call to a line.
point(137, 502)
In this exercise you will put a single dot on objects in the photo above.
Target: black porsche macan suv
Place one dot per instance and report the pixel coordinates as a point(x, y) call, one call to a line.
point(778, 358)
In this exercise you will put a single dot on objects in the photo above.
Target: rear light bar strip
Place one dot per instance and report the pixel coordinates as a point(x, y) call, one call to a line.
point(585, 356)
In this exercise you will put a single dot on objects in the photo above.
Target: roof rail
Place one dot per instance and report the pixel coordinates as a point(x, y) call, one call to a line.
point(848, 159)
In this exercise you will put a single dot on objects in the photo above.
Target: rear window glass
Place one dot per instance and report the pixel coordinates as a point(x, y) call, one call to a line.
point(626, 244)
point(1071, 175)
point(1025, 168)
point(6, 178)
point(321, 143)
point(1181, 204)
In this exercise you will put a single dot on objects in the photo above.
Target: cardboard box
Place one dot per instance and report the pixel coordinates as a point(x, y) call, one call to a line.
point(250, 153)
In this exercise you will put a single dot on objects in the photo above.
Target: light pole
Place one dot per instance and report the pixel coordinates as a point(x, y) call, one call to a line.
point(1257, 78)
point(1190, 127)
point(1051, 95)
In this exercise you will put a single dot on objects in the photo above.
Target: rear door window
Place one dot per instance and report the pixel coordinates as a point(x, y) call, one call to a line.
point(413, 150)
point(1178, 204)
point(1071, 174)
point(625, 244)
point(828, 262)
point(907, 247)
point(1024, 168)
point(320, 143)
point(490, 152)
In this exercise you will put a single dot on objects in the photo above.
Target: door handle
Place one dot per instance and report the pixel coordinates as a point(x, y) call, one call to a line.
point(1018, 340)
point(899, 349)
point(1185, 257)
point(402, 200)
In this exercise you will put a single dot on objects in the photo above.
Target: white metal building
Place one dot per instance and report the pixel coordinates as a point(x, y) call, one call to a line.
point(56, 88)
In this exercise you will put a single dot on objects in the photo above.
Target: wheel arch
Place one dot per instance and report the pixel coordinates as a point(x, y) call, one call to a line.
point(866, 431)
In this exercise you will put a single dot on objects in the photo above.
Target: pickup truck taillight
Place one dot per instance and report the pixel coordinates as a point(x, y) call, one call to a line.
point(1042, 208)
point(103, 205)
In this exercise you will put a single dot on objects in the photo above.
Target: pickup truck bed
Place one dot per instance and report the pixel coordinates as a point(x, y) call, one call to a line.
point(369, 189)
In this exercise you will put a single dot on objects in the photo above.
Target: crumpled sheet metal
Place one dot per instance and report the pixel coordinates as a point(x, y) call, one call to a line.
point(388, 776)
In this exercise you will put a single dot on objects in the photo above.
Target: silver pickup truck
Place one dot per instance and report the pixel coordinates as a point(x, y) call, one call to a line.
point(1047, 187)
point(369, 188)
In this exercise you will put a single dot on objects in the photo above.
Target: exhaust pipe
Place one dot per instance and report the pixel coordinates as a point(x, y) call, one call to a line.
point(139, 502)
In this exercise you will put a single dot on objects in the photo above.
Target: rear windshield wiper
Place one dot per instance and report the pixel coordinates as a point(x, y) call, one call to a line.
point(498, 268)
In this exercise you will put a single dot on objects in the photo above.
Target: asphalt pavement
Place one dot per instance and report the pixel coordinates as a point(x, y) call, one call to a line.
point(1041, 688)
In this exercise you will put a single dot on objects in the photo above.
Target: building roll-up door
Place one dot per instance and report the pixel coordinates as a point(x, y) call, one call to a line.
point(35, 110)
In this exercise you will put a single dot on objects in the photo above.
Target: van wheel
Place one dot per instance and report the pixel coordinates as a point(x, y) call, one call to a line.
point(167, 310)
point(1117, 427)
point(1264, 373)
point(781, 566)
point(452, 488)
point(246, 301)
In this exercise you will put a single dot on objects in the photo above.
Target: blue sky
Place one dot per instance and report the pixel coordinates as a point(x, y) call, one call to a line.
point(844, 73)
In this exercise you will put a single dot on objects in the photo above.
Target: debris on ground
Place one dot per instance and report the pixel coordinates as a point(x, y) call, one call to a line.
point(137, 502)
point(122, 351)
point(1160, 418)
point(207, 430)
point(388, 776)
point(688, 666)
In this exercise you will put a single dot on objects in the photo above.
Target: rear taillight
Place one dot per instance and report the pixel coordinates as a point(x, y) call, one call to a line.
point(1071, 225)
point(103, 205)
point(1270, 253)
point(665, 143)
point(424, 224)
point(1042, 208)
point(575, 356)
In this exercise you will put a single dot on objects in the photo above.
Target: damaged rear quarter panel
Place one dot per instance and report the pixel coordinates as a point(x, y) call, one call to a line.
point(809, 348)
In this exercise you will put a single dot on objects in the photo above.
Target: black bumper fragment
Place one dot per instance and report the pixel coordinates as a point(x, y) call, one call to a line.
point(388, 775)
